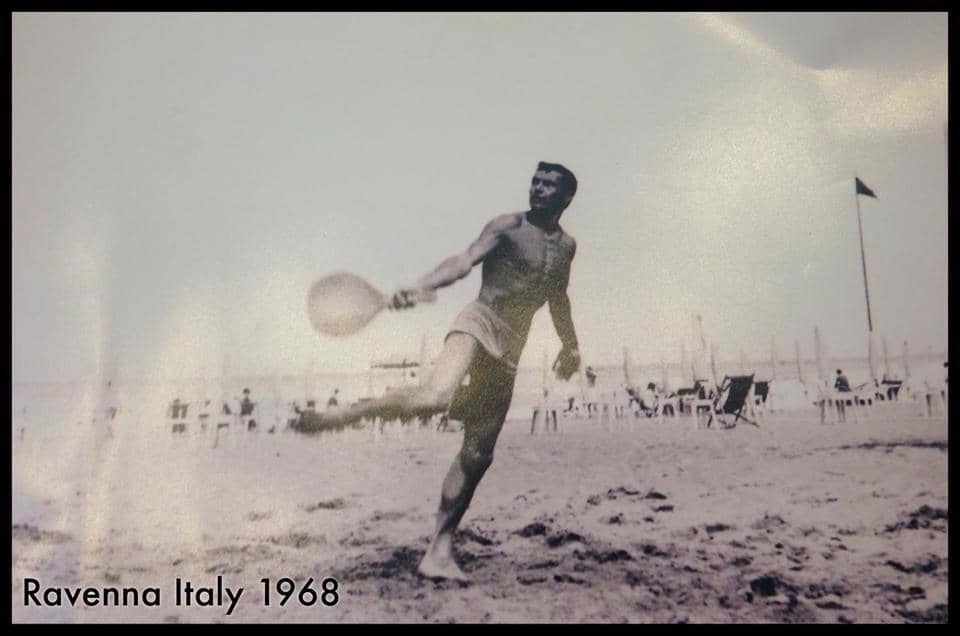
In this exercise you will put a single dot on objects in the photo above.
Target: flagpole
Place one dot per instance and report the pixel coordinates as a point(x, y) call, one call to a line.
point(863, 258)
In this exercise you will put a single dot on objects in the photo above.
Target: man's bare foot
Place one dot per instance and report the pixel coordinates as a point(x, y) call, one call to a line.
point(432, 567)
point(337, 417)
point(331, 419)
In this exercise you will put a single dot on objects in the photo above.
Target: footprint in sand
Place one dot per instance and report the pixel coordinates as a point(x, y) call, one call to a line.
point(651, 549)
point(562, 538)
point(923, 518)
point(531, 580)
point(223, 568)
point(714, 528)
point(297, 540)
point(934, 614)
point(468, 534)
point(603, 556)
point(532, 530)
point(542, 565)
point(26, 532)
point(332, 504)
point(896, 595)
point(769, 523)
point(566, 578)
point(928, 565)
point(771, 584)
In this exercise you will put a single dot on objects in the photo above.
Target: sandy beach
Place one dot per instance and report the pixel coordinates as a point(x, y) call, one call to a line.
point(632, 520)
point(226, 222)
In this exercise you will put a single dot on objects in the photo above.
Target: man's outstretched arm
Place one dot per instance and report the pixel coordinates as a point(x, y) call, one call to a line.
point(458, 266)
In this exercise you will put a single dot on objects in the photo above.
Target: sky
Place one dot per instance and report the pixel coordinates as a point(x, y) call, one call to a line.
point(180, 180)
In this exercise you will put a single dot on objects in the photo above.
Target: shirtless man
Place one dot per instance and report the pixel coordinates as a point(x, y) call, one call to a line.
point(526, 259)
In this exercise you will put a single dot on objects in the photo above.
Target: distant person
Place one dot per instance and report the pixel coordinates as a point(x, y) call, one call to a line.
point(178, 413)
point(633, 397)
point(842, 385)
point(333, 401)
point(246, 404)
point(946, 391)
point(178, 409)
point(204, 415)
point(305, 416)
point(591, 392)
point(443, 423)
point(669, 405)
point(649, 400)
point(246, 409)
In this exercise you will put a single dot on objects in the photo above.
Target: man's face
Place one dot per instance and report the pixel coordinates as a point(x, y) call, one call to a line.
point(547, 191)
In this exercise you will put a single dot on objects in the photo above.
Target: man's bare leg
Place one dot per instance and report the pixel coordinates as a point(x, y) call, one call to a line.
point(427, 399)
point(465, 473)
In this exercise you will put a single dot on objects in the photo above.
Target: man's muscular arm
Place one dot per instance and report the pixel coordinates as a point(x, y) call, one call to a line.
point(458, 266)
point(568, 361)
point(563, 320)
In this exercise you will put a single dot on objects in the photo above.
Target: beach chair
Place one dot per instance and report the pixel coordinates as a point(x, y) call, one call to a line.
point(686, 397)
point(891, 388)
point(758, 400)
point(703, 404)
point(669, 405)
point(864, 394)
point(732, 399)
point(933, 399)
point(826, 400)
point(761, 389)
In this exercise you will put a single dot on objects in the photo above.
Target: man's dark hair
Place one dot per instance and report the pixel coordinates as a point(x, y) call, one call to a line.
point(839, 371)
point(569, 181)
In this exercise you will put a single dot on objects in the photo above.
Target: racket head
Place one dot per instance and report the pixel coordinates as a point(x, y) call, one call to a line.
point(343, 303)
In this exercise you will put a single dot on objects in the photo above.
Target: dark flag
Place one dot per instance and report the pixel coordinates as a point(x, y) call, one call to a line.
point(863, 189)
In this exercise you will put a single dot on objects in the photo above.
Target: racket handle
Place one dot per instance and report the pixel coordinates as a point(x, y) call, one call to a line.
point(417, 296)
